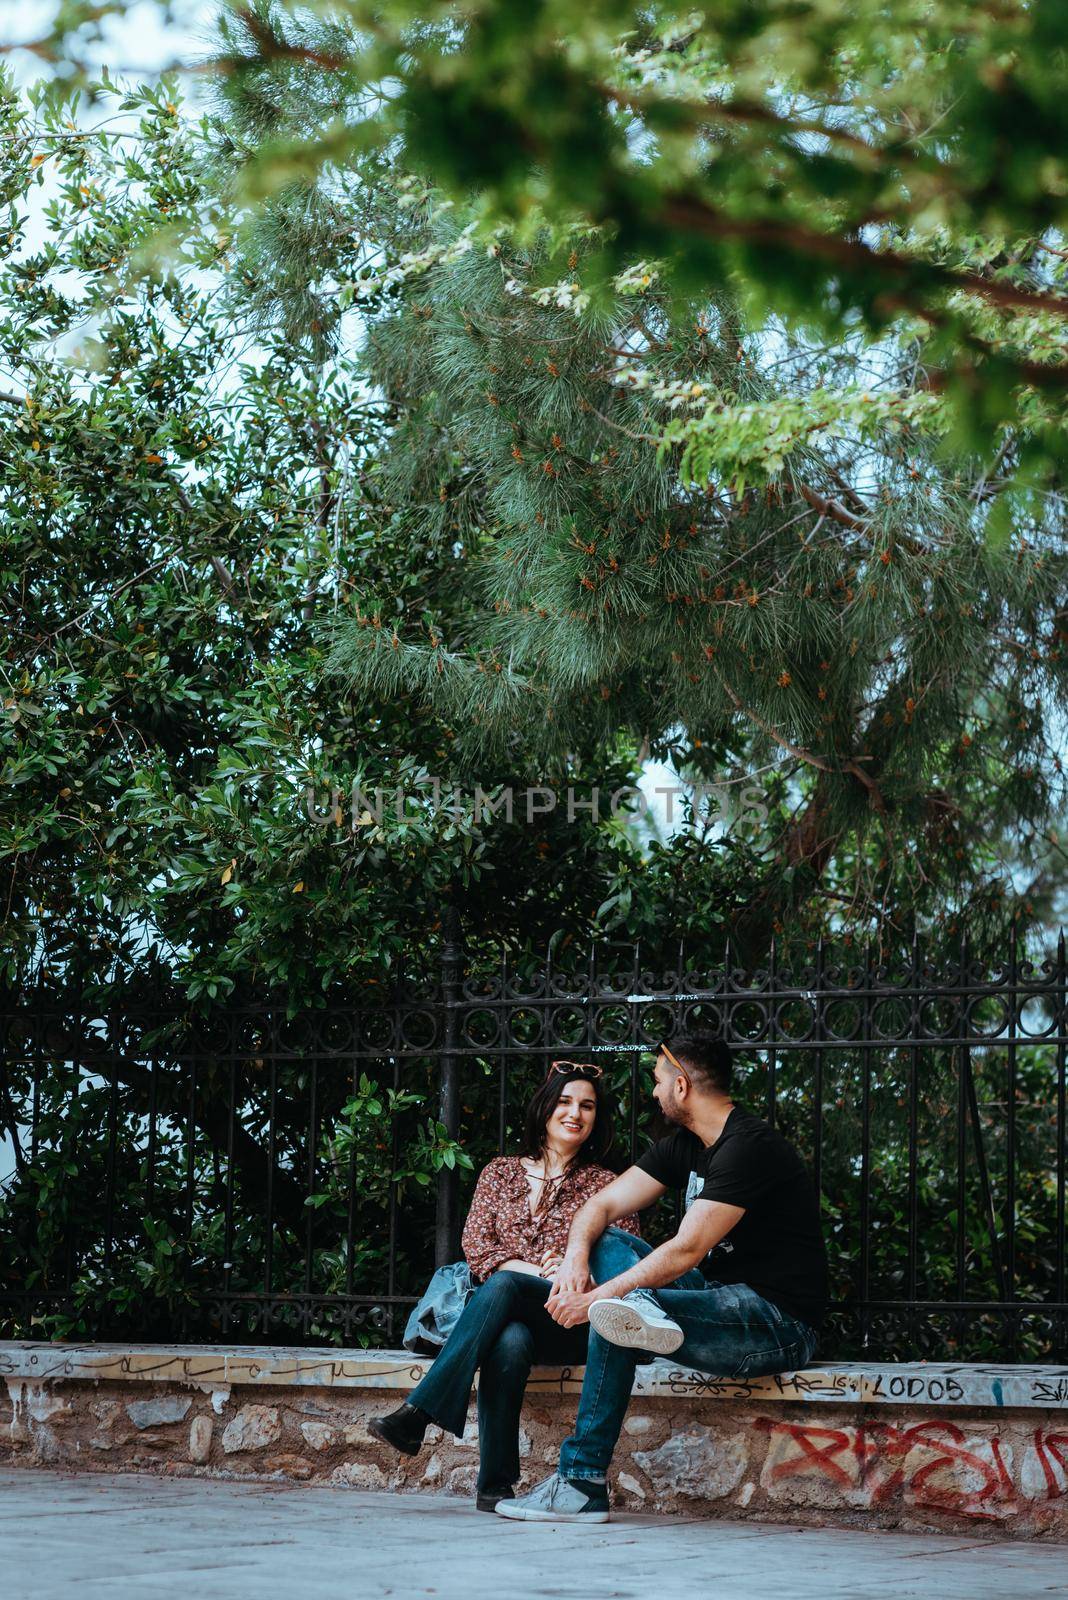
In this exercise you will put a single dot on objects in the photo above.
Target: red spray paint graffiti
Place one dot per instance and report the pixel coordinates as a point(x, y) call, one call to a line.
point(932, 1465)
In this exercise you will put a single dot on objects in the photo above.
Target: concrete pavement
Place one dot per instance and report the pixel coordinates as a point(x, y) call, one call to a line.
point(126, 1536)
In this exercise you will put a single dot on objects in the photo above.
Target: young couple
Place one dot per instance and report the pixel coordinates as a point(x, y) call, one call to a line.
point(564, 1277)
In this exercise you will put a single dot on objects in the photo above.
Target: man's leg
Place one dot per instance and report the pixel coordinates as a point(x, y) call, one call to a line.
point(616, 1251)
point(609, 1367)
point(732, 1331)
point(602, 1406)
point(637, 1318)
point(727, 1329)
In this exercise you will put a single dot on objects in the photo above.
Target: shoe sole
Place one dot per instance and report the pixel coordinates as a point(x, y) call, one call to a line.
point(622, 1324)
point(383, 1438)
point(520, 1514)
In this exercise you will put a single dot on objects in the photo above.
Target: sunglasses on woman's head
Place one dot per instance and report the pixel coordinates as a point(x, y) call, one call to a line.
point(590, 1067)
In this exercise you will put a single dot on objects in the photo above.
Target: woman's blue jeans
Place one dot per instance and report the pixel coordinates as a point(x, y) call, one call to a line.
point(503, 1330)
point(730, 1330)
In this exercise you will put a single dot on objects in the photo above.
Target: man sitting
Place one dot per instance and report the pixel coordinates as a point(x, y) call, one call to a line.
point(739, 1291)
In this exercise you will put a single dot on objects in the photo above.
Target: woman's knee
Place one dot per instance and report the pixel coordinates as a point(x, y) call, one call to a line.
point(512, 1349)
point(502, 1285)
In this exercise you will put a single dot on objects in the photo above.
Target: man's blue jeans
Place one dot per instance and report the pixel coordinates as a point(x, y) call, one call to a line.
point(730, 1330)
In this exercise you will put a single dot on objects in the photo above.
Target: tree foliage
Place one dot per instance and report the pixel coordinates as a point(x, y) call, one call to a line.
point(865, 166)
point(851, 627)
point(184, 497)
point(537, 552)
point(183, 501)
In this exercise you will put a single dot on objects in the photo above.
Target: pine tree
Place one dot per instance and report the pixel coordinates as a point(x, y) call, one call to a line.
point(849, 622)
point(702, 533)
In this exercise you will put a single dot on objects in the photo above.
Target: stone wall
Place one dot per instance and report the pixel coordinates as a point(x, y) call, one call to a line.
point(998, 1471)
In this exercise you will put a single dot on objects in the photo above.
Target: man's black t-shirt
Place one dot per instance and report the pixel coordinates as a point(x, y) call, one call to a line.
point(777, 1247)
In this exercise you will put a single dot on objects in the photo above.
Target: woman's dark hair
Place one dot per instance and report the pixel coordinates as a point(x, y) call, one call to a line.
point(543, 1103)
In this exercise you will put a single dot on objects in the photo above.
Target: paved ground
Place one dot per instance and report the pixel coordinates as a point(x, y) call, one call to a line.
point(128, 1536)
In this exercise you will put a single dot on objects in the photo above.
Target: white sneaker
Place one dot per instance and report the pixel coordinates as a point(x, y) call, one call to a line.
point(558, 1499)
point(637, 1322)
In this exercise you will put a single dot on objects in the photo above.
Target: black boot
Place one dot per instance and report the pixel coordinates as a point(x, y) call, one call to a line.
point(402, 1429)
point(486, 1499)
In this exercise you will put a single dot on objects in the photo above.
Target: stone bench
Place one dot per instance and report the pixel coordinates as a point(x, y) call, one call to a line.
point(982, 1448)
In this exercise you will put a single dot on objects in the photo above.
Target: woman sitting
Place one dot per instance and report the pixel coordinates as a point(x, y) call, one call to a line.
point(514, 1239)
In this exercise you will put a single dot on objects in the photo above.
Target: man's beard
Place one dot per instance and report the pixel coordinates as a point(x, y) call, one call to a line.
point(676, 1114)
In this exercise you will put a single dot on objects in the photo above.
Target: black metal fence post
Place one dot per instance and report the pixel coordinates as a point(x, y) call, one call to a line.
point(447, 1229)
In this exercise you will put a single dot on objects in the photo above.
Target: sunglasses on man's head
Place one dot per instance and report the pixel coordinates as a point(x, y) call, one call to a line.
point(589, 1067)
point(662, 1050)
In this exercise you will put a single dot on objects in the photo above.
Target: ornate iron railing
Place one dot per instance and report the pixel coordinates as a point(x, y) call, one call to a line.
point(246, 1172)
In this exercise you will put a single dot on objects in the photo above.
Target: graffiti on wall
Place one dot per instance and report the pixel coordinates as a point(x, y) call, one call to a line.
point(857, 1383)
point(932, 1465)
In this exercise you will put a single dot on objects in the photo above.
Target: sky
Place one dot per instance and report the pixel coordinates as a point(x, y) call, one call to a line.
point(140, 41)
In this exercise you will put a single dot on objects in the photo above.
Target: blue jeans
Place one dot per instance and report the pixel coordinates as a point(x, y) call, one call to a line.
point(503, 1330)
point(730, 1330)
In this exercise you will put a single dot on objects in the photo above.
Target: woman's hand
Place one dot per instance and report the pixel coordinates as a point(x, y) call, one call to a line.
point(551, 1262)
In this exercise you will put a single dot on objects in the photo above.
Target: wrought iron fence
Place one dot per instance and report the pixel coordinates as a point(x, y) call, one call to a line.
point(249, 1173)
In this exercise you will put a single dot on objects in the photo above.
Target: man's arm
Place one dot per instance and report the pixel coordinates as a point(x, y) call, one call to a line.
point(702, 1228)
point(633, 1191)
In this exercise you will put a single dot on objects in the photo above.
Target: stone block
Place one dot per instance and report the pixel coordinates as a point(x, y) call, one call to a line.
point(359, 1475)
point(638, 1427)
point(200, 1432)
point(39, 1403)
point(253, 1428)
point(630, 1486)
point(318, 1435)
point(966, 1475)
point(697, 1464)
point(811, 1464)
point(357, 1434)
point(153, 1413)
point(1043, 1465)
point(462, 1480)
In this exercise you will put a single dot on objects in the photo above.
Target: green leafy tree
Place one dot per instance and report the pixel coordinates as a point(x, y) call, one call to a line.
point(871, 166)
point(850, 629)
point(184, 497)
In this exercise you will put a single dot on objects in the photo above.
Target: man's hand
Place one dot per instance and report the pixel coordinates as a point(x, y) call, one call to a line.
point(572, 1276)
point(570, 1308)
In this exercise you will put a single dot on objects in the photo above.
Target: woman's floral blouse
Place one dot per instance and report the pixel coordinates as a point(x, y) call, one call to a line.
point(500, 1228)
